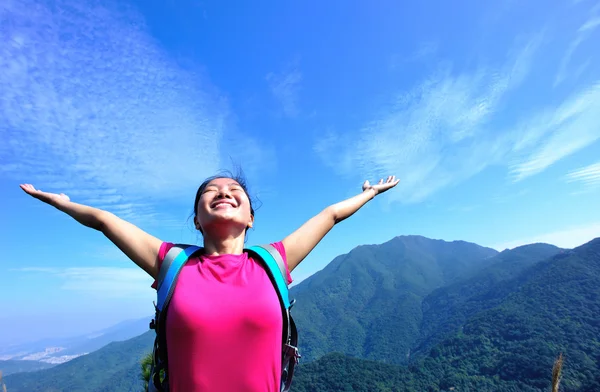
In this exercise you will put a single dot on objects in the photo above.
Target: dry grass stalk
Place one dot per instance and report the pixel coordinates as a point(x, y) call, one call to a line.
point(556, 372)
point(2, 383)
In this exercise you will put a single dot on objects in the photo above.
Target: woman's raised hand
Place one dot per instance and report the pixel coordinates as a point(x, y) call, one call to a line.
point(381, 186)
point(46, 197)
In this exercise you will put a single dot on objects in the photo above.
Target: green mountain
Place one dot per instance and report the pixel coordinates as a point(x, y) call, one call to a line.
point(339, 372)
point(17, 366)
point(446, 309)
point(549, 308)
point(115, 367)
point(555, 309)
point(473, 319)
point(367, 303)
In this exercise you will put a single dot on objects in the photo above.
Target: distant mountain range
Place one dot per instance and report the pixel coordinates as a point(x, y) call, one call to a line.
point(115, 367)
point(46, 353)
point(415, 314)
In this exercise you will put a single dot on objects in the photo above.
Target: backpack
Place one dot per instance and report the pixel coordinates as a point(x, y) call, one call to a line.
point(174, 260)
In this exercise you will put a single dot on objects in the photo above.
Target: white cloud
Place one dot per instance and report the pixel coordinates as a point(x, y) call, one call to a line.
point(36, 269)
point(558, 132)
point(589, 176)
point(564, 63)
point(437, 134)
point(447, 129)
point(108, 281)
point(591, 24)
point(90, 105)
point(583, 33)
point(285, 87)
point(570, 237)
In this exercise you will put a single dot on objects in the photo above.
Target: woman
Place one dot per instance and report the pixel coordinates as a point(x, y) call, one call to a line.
point(224, 321)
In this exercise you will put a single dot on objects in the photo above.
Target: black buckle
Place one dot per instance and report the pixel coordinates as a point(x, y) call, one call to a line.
point(292, 352)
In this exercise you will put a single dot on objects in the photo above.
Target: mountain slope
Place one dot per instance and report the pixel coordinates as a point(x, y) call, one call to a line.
point(114, 367)
point(338, 372)
point(119, 332)
point(446, 309)
point(12, 366)
point(367, 303)
point(555, 309)
point(550, 307)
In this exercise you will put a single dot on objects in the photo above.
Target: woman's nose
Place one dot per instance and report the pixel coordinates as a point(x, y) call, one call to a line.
point(223, 193)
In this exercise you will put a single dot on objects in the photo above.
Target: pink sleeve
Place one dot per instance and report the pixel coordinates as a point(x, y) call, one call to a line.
point(162, 252)
point(281, 249)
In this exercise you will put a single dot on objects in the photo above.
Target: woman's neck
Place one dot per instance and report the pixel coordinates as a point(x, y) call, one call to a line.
point(224, 245)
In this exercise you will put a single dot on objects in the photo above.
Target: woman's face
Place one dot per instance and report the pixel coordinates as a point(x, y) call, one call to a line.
point(223, 201)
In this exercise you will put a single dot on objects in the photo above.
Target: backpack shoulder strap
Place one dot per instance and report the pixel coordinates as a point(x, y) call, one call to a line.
point(277, 272)
point(276, 269)
point(169, 271)
point(170, 268)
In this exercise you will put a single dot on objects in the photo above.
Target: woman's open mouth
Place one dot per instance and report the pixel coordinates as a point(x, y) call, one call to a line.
point(223, 204)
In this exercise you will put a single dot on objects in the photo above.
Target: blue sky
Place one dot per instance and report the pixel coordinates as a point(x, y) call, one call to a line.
point(488, 113)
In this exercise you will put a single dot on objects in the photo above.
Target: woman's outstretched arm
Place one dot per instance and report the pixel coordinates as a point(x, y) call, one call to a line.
point(141, 247)
point(301, 242)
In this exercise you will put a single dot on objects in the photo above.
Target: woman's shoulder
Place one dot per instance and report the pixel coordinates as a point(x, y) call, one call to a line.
point(281, 249)
point(165, 247)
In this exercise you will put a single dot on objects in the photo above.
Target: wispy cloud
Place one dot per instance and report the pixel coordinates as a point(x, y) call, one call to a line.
point(555, 133)
point(452, 126)
point(285, 87)
point(90, 105)
point(108, 281)
point(591, 24)
point(435, 135)
point(583, 33)
point(589, 176)
point(570, 237)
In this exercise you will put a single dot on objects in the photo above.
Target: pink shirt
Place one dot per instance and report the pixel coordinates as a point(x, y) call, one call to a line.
point(224, 325)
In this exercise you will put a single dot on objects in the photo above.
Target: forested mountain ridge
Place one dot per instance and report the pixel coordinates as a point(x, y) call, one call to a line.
point(367, 303)
point(556, 309)
point(446, 309)
point(511, 346)
point(498, 325)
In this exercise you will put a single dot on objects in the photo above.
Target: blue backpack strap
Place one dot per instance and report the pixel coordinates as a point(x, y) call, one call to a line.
point(276, 269)
point(170, 268)
point(174, 260)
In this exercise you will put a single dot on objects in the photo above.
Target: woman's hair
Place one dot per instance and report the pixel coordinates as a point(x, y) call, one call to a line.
point(239, 178)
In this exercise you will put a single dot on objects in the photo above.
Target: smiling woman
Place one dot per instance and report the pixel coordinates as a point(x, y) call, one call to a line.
point(214, 186)
point(239, 312)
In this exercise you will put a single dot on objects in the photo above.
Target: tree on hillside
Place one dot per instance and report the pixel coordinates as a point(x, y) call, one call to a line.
point(146, 364)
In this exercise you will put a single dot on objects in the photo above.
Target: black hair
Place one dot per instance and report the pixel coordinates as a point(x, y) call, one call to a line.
point(239, 178)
